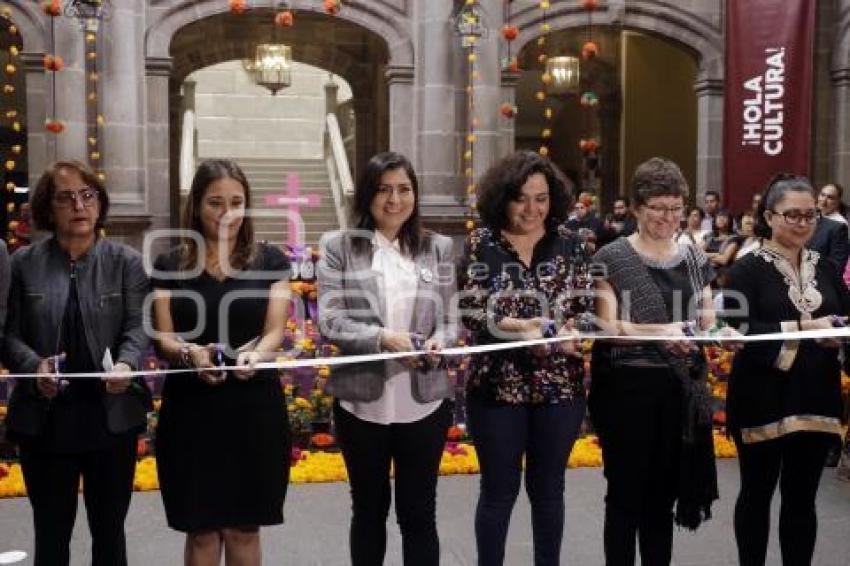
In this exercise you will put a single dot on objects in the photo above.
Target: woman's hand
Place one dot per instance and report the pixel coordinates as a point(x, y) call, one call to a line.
point(249, 359)
point(679, 348)
point(200, 357)
point(47, 383)
point(394, 341)
point(729, 332)
point(117, 381)
point(825, 323)
point(570, 347)
point(433, 346)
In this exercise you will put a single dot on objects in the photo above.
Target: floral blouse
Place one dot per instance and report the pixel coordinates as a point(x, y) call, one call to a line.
point(493, 273)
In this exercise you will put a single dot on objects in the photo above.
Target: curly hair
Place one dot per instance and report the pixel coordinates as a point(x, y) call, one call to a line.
point(657, 177)
point(504, 180)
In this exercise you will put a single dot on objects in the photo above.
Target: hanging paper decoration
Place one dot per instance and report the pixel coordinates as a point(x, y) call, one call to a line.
point(510, 32)
point(590, 5)
point(588, 145)
point(284, 19)
point(53, 63)
point(238, 6)
point(331, 7)
point(508, 110)
point(52, 8)
point(589, 50)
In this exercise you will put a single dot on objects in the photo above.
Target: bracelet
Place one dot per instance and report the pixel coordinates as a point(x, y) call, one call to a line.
point(186, 355)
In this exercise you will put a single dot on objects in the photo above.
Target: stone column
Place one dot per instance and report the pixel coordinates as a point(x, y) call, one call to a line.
point(41, 145)
point(162, 201)
point(331, 96)
point(507, 126)
point(437, 138)
point(122, 90)
point(841, 129)
point(709, 136)
point(401, 109)
point(365, 144)
point(488, 92)
point(70, 91)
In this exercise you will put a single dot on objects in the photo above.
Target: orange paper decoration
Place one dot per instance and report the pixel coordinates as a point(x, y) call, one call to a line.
point(589, 50)
point(331, 7)
point(510, 32)
point(284, 19)
point(52, 8)
point(54, 126)
point(238, 6)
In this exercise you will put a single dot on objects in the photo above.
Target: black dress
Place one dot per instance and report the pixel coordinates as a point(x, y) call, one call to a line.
point(223, 450)
point(777, 388)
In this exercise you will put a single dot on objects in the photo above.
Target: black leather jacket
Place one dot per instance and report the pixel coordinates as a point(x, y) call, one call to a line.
point(111, 286)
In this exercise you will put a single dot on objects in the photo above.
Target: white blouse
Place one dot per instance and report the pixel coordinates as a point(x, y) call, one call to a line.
point(398, 281)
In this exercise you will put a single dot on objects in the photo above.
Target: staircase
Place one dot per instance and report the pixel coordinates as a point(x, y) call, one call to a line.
point(268, 177)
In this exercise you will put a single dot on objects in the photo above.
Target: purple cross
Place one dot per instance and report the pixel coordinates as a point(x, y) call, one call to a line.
point(294, 200)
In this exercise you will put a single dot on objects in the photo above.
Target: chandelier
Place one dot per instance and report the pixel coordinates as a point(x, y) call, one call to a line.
point(271, 66)
point(564, 73)
point(89, 13)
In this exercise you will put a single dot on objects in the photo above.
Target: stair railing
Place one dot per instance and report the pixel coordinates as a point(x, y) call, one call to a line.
point(342, 185)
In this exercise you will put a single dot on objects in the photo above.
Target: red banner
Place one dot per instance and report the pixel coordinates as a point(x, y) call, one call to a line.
point(768, 94)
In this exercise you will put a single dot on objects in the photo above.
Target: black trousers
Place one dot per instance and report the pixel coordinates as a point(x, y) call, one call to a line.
point(415, 450)
point(52, 482)
point(503, 433)
point(795, 461)
point(637, 415)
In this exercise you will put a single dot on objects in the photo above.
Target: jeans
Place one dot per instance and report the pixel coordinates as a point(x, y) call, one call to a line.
point(502, 434)
point(415, 450)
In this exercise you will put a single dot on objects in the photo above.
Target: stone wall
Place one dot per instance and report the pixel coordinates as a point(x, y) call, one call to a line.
point(237, 119)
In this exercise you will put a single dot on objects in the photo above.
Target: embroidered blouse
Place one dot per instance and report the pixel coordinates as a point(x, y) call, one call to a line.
point(780, 387)
point(496, 284)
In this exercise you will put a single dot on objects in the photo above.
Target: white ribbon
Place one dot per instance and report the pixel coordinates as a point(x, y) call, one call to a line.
point(481, 349)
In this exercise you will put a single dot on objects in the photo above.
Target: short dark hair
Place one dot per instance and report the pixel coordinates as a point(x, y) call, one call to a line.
point(725, 214)
point(503, 182)
point(625, 200)
point(208, 172)
point(411, 234)
point(712, 193)
point(774, 192)
point(657, 177)
point(838, 188)
point(698, 209)
point(41, 200)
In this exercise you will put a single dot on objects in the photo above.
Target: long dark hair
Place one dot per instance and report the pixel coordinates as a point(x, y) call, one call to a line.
point(208, 172)
point(774, 192)
point(411, 235)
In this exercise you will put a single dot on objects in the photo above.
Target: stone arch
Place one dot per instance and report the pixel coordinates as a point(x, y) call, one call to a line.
point(168, 16)
point(689, 31)
point(32, 24)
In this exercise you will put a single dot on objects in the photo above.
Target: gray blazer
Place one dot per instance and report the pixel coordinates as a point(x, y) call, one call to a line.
point(351, 315)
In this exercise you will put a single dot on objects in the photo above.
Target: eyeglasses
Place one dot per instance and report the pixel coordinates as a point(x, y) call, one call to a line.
point(87, 196)
point(798, 217)
point(664, 210)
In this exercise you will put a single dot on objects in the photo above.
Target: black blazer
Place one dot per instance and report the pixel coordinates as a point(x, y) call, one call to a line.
point(831, 240)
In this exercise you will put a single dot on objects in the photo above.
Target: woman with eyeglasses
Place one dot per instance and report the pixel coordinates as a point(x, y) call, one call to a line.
point(222, 440)
point(649, 400)
point(784, 399)
point(75, 306)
